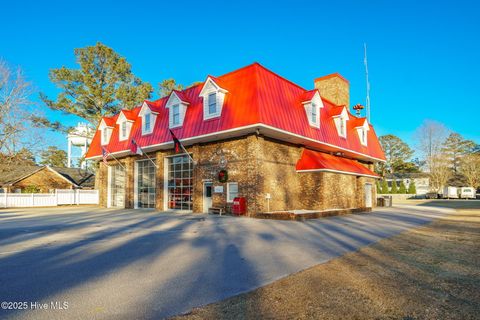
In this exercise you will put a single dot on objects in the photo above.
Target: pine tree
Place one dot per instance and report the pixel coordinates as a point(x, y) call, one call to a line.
point(394, 188)
point(402, 189)
point(101, 86)
point(412, 189)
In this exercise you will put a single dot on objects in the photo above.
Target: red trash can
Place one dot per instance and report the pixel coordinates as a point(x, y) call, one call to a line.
point(239, 206)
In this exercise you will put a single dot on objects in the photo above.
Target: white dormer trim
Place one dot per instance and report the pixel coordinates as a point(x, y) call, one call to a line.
point(105, 132)
point(210, 88)
point(145, 113)
point(362, 132)
point(312, 110)
point(124, 127)
point(176, 110)
point(341, 123)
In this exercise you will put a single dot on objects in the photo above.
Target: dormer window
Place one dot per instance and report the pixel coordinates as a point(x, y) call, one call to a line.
point(314, 113)
point(106, 127)
point(212, 104)
point(176, 114)
point(340, 118)
point(148, 118)
point(104, 136)
point(213, 97)
point(312, 103)
point(124, 124)
point(177, 106)
point(362, 131)
point(148, 123)
point(123, 129)
point(343, 126)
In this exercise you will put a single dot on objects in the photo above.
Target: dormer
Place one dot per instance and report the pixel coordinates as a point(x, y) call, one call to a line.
point(213, 97)
point(148, 117)
point(106, 129)
point(312, 104)
point(362, 131)
point(340, 117)
point(177, 107)
point(125, 123)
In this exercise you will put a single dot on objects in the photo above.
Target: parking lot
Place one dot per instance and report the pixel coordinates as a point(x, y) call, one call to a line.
point(136, 264)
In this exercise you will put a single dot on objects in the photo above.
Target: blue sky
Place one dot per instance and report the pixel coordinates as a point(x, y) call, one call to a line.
point(423, 57)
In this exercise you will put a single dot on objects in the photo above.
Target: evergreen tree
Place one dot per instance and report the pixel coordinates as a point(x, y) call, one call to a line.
point(412, 189)
point(101, 86)
point(384, 187)
point(379, 188)
point(53, 157)
point(397, 152)
point(402, 189)
point(394, 188)
point(455, 147)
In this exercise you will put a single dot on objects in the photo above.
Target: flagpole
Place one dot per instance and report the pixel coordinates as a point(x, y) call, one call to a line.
point(146, 155)
point(110, 154)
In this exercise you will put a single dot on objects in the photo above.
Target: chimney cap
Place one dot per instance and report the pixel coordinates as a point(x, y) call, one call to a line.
point(332, 75)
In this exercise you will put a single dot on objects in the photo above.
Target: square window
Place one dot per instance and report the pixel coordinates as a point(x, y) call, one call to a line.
point(232, 191)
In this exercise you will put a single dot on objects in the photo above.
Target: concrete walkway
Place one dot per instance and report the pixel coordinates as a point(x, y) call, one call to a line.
point(126, 264)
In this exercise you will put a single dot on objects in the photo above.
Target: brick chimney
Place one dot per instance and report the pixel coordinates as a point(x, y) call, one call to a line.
point(335, 88)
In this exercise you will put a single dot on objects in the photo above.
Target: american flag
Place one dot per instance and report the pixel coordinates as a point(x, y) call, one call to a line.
point(105, 156)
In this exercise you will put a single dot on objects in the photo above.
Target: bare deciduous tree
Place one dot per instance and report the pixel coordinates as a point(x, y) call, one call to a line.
point(470, 168)
point(431, 138)
point(16, 133)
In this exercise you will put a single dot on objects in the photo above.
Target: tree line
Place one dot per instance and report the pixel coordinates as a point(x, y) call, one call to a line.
point(445, 156)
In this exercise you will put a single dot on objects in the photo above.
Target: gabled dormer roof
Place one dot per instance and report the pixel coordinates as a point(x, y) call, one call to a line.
point(360, 123)
point(212, 82)
point(339, 111)
point(176, 97)
point(147, 106)
point(107, 122)
point(308, 96)
point(126, 115)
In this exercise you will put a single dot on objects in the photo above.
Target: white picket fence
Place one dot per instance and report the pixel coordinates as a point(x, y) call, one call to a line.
point(60, 197)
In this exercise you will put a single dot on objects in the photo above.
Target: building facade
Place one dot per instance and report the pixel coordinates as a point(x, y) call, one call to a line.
point(249, 133)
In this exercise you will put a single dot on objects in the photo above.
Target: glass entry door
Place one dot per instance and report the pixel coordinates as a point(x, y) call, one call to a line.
point(146, 191)
point(117, 186)
point(180, 183)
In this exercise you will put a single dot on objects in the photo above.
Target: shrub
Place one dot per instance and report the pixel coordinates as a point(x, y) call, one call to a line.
point(402, 188)
point(412, 189)
point(394, 188)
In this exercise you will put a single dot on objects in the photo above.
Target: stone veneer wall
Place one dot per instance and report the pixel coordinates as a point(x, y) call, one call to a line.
point(259, 165)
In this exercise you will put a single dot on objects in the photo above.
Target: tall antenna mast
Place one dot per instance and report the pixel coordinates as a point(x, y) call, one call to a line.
point(365, 62)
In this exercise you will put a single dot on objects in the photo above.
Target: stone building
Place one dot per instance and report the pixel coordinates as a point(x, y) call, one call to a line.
point(251, 133)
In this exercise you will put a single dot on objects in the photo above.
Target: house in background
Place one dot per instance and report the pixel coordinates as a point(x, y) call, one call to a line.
point(421, 180)
point(251, 133)
point(44, 179)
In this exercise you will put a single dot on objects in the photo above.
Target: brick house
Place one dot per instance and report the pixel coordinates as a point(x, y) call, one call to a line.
point(44, 179)
point(281, 146)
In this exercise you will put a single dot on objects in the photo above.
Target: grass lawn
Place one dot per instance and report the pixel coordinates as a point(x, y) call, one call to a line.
point(432, 272)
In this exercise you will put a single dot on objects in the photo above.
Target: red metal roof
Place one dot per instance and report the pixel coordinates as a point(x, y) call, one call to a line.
point(319, 161)
point(256, 96)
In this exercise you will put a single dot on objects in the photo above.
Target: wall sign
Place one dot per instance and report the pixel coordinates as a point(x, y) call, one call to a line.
point(218, 189)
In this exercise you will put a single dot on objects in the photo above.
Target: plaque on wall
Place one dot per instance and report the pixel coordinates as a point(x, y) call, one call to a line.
point(218, 189)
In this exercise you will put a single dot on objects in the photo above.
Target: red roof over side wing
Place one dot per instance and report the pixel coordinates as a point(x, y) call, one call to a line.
point(319, 161)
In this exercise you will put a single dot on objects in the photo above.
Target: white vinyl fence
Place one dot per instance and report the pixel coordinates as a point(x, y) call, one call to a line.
point(60, 197)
